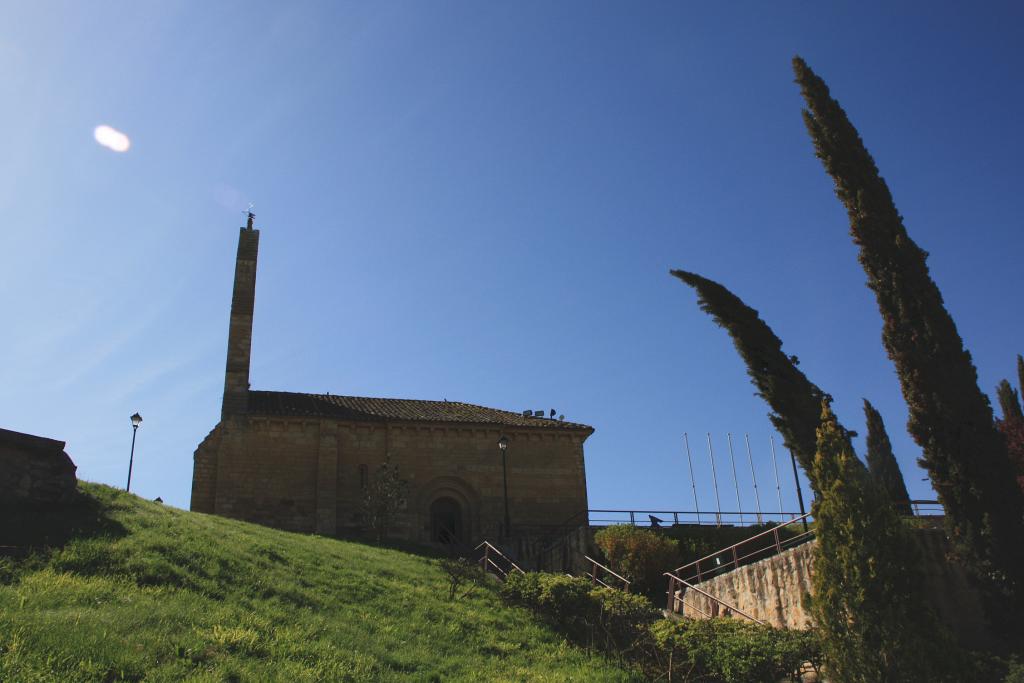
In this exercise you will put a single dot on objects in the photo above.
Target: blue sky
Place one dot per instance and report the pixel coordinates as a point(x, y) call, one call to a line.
point(481, 202)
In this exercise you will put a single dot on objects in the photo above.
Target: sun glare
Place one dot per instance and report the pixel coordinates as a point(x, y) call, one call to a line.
point(112, 138)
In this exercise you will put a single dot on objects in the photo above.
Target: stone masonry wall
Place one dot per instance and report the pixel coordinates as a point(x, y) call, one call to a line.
point(773, 590)
point(34, 469)
point(204, 472)
point(266, 472)
point(243, 301)
point(306, 474)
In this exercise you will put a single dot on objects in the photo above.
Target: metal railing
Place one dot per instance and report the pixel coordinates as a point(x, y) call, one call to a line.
point(606, 573)
point(559, 541)
point(496, 562)
point(757, 547)
point(926, 508)
point(674, 584)
point(658, 518)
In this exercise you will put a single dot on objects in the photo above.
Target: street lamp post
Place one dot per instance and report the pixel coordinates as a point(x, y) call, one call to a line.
point(136, 421)
point(503, 446)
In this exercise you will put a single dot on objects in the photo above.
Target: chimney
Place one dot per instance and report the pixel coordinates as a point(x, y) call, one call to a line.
point(236, 376)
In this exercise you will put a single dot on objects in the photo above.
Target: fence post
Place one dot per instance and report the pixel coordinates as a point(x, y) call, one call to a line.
point(632, 519)
point(778, 545)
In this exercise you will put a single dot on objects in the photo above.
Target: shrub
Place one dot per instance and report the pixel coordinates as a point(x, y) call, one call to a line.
point(731, 651)
point(640, 554)
point(1016, 672)
point(609, 619)
point(564, 601)
point(623, 620)
point(565, 596)
point(522, 589)
point(628, 626)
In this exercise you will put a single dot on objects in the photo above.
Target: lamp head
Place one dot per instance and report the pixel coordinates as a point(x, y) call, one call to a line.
point(136, 420)
point(503, 443)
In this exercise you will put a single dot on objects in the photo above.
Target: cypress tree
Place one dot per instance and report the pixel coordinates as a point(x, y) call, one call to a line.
point(950, 417)
point(882, 463)
point(874, 622)
point(794, 400)
point(1012, 424)
point(1009, 401)
point(1020, 372)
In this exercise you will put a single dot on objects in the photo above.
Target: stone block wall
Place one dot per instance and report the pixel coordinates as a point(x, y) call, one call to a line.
point(307, 474)
point(243, 301)
point(773, 590)
point(34, 469)
point(204, 472)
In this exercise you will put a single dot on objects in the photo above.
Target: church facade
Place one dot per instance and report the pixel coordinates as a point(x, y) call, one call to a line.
point(301, 461)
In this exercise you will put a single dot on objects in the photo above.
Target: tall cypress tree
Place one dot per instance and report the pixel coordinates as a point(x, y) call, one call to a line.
point(1012, 424)
point(1009, 401)
point(1020, 372)
point(950, 417)
point(882, 463)
point(794, 400)
point(875, 624)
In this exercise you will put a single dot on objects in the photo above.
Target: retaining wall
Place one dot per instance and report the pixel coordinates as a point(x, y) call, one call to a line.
point(773, 590)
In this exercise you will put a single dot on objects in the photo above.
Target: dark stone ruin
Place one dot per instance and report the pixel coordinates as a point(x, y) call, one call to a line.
point(34, 469)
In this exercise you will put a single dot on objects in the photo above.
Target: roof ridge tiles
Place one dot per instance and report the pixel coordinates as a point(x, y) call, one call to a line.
point(290, 403)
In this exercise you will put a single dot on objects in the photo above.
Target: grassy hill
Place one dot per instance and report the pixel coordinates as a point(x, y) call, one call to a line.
point(140, 591)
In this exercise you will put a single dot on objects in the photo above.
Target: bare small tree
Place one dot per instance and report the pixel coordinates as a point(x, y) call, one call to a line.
point(461, 571)
point(383, 497)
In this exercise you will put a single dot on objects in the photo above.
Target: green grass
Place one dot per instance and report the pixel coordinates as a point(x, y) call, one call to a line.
point(133, 590)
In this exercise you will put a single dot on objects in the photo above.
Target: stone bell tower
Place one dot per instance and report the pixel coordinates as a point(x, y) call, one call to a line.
point(236, 376)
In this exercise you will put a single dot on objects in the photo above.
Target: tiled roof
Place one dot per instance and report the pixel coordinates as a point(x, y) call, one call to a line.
point(359, 408)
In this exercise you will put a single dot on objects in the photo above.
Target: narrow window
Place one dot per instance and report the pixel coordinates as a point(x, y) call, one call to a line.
point(362, 476)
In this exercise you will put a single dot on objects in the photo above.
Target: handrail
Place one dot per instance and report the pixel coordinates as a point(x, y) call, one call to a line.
point(673, 579)
point(929, 505)
point(677, 517)
point(773, 531)
point(574, 522)
point(593, 574)
point(694, 607)
point(720, 517)
point(485, 560)
point(488, 561)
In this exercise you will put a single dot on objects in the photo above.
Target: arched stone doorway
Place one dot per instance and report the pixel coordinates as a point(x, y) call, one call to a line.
point(447, 521)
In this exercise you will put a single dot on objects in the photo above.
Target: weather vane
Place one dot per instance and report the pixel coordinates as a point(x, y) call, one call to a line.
point(249, 216)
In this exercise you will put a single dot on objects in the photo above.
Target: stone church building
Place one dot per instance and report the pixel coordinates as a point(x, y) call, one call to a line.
point(300, 461)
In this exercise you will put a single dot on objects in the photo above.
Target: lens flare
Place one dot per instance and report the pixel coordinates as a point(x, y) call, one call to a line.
point(111, 138)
